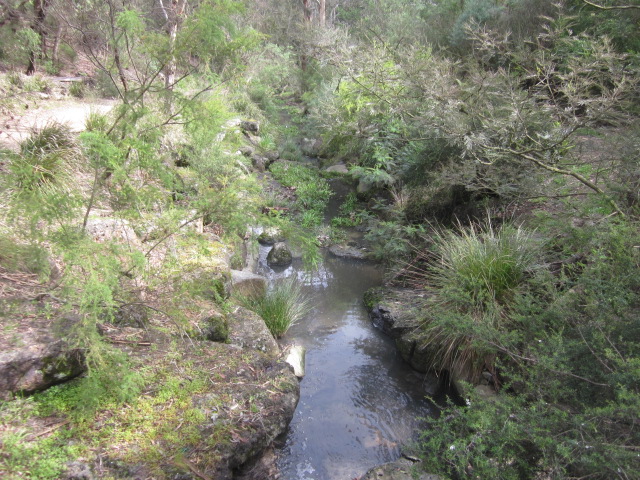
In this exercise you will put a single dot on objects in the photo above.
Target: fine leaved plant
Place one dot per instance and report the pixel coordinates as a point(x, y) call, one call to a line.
point(281, 307)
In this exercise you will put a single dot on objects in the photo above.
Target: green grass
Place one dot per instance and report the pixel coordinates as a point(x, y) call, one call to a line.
point(281, 307)
point(312, 191)
point(485, 263)
point(476, 274)
point(44, 156)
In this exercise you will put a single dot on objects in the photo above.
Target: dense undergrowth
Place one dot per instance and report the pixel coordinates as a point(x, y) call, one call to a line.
point(495, 151)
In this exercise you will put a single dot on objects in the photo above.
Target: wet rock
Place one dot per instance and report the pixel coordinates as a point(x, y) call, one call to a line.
point(248, 330)
point(270, 236)
point(39, 356)
point(248, 284)
point(348, 251)
point(294, 356)
point(279, 255)
point(397, 312)
point(402, 469)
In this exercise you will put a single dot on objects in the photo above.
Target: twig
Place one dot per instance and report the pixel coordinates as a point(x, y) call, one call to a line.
point(612, 7)
point(49, 430)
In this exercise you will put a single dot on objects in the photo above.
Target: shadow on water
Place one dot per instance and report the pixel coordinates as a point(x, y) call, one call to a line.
point(359, 401)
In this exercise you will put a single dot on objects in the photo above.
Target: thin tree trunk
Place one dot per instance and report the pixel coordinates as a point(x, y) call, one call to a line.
point(323, 12)
point(40, 14)
point(56, 45)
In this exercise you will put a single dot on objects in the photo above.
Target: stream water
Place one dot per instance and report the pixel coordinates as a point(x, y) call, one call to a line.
point(359, 401)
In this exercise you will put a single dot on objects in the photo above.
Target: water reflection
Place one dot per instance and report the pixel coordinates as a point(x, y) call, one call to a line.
point(358, 402)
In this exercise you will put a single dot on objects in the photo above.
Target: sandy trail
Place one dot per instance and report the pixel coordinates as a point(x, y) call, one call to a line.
point(16, 127)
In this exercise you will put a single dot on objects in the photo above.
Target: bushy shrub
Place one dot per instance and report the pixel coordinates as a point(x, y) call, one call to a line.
point(571, 394)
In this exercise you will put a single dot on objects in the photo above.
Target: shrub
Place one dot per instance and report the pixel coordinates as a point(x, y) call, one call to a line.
point(281, 307)
point(77, 90)
point(571, 397)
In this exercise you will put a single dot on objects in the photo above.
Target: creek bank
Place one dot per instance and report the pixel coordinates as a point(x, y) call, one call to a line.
point(232, 395)
point(397, 312)
point(402, 469)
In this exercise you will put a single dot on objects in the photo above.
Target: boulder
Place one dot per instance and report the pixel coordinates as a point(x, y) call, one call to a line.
point(259, 163)
point(247, 151)
point(248, 330)
point(215, 328)
point(396, 312)
point(250, 126)
point(106, 229)
point(245, 283)
point(294, 356)
point(270, 236)
point(38, 356)
point(339, 168)
point(279, 255)
point(271, 157)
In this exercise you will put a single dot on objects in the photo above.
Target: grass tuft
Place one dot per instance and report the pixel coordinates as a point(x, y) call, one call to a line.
point(281, 307)
point(44, 156)
point(476, 274)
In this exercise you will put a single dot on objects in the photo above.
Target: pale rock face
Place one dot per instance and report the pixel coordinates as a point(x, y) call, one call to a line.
point(295, 356)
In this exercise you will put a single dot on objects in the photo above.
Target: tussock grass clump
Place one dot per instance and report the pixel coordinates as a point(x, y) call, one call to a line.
point(486, 264)
point(281, 307)
point(477, 273)
point(44, 156)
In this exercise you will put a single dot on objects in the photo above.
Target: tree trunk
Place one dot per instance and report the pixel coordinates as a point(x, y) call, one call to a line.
point(307, 11)
point(56, 45)
point(323, 12)
point(40, 14)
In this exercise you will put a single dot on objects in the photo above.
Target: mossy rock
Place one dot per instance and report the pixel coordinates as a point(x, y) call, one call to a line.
point(270, 236)
point(279, 255)
point(372, 298)
point(215, 328)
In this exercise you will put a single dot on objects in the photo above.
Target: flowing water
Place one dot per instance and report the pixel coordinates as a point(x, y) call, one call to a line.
point(359, 401)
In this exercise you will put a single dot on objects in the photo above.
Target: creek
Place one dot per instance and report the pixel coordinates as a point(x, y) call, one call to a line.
point(359, 402)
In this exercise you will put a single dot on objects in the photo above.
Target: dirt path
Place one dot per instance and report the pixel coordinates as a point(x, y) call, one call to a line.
point(16, 127)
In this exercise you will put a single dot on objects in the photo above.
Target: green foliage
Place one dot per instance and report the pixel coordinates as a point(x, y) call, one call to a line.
point(476, 13)
point(312, 191)
point(282, 306)
point(391, 240)
point(42, 459)
point(46, 157)
point(77, 90)
point(485, 264)
point(477, 273)
point(567, 357)
point(16, 257)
